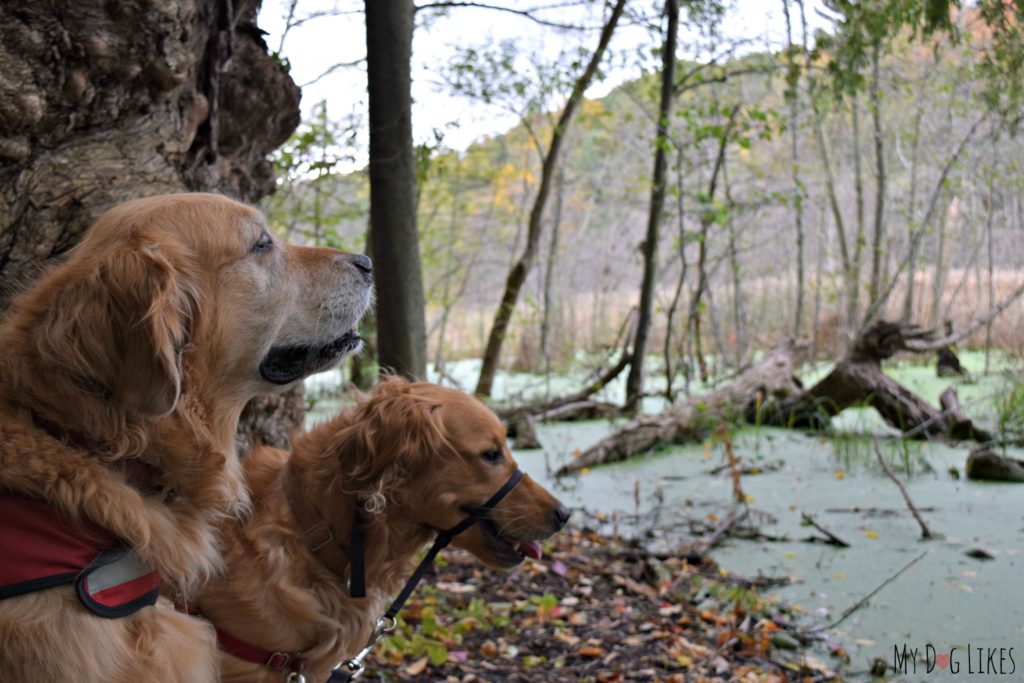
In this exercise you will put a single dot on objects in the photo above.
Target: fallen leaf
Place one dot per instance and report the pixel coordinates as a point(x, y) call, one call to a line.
point(590, 651)
point(417, 667)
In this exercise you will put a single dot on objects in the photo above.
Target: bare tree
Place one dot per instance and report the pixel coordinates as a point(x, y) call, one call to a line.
point(635, 380)
point(517, 275)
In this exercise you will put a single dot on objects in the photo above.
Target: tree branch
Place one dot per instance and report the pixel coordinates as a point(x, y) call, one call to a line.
point(525, 13)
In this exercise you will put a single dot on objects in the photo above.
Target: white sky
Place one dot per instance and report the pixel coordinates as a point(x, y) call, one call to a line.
point(322, 42)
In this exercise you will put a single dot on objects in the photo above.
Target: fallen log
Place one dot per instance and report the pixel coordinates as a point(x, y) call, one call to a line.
point(858, 380)
point(697, 417)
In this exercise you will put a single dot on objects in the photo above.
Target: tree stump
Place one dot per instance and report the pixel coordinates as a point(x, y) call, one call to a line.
point(986, 465)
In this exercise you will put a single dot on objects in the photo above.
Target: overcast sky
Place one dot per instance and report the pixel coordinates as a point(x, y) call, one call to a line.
point(323, 42)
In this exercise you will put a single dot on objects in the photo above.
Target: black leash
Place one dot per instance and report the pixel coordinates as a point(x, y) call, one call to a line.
point(352, 669)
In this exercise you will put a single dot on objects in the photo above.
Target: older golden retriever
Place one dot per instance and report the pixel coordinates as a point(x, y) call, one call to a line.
point(123, 374)
point(406, 461)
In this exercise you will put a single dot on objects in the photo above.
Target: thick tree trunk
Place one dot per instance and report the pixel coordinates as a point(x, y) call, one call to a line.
point(635, 379)
point(694, 418)
point(401, 327)
point(521, 268)
point(102, 102)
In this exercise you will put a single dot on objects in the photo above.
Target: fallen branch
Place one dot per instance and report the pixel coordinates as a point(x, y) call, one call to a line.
point(925, 531)
point(695, 418)
point(881, 512)
point(858, 380)
point(860, 603)
point(720, 532)
point(832, 538)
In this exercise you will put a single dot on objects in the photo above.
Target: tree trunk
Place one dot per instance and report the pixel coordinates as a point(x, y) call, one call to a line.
point(104, 102)
point(853, 275)
point(517, 275)
point(908, 300)
point(793, 98)
point(696, 417)
point(401, 327)
point(549, 277)
point(635, 379)
point(878, 233)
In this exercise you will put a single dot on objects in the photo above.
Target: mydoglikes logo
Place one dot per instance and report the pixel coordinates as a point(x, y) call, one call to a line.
point(969, 660)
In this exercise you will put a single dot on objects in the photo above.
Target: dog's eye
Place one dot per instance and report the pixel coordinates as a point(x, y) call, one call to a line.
point(492, 456)
point(263, 244)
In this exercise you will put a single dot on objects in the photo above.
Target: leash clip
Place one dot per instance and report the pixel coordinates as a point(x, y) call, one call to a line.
point(295, 677)
point(355, 667)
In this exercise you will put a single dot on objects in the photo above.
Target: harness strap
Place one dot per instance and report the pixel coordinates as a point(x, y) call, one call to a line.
point(291, 662)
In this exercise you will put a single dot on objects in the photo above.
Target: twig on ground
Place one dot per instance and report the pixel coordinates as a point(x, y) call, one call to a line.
point(860, 603)
point(832, 538)
point(721, 531)
point(925, 531)
point(875, 511)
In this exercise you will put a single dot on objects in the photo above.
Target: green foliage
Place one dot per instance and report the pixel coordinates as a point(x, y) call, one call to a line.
point(308, 168)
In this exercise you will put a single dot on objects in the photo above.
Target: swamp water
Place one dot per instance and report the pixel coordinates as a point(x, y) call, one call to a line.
point(946, 600)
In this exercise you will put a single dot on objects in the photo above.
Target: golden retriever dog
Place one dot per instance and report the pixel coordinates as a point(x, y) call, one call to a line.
point(122, 377)
point(405, 462)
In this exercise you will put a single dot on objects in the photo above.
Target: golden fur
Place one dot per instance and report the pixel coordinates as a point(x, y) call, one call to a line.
point(143, 346)
point(405, 458)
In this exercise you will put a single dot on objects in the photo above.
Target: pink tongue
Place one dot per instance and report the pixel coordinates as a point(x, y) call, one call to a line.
point(530, 549)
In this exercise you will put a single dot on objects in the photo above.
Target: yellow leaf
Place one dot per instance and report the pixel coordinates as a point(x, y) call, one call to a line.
point(789, 555)
point(839, 576)
point(749, 498)
point(870, 533)
point(840, 474)
point(585, 470)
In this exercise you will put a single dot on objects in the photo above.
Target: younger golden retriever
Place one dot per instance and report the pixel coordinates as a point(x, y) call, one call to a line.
point(123, 374)
point(405, 462)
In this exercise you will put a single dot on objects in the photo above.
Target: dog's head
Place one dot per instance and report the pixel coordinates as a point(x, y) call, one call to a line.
point(425, 454)
point(177, 293)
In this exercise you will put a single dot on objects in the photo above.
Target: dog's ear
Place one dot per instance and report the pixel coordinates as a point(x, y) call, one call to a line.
point(119, 322)
point(394, 429)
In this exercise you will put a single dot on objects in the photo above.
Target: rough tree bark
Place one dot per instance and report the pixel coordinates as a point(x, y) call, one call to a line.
point(401, 326)
point(635, 379)
point(521, 268)
point(102, 102)
point(696, 417)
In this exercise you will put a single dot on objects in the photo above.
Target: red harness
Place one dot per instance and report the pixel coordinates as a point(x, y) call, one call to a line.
point(41, 547)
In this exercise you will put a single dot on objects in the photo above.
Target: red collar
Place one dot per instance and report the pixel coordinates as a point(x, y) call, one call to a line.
point(291, 662)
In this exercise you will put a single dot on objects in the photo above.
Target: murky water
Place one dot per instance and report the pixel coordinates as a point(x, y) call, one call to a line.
point(946, 600)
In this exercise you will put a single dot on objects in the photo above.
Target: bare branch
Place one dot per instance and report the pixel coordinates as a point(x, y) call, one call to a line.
point(334, 67)
point(925, 531)
point(525, 13)
point(915, 345)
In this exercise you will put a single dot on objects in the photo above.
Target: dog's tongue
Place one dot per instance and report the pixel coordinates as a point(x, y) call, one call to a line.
point(530, 549)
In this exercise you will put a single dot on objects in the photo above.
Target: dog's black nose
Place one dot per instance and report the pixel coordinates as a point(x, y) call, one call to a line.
point(363, 263)
point(562, 515)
